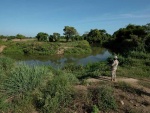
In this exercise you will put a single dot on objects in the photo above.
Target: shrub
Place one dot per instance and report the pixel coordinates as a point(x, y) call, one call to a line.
point(57, 94)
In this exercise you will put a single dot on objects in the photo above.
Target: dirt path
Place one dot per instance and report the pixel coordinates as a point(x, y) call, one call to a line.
point(133, 82)
point(2, 48)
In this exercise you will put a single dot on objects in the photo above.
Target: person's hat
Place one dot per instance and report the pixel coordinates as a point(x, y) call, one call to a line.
point(115, 57)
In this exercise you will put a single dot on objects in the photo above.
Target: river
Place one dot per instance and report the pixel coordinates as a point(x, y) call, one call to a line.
point(58, 61)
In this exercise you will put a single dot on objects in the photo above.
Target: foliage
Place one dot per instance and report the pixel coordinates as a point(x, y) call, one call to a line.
point(42, 36)
point(98, 36)
point(78, 47)
point(57, 94)
point(20, 36)
point(46, 48)
point(132, 37)
point(69, 32)
point(54, 38)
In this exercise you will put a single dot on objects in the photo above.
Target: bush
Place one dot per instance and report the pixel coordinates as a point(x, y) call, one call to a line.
point(57, 94)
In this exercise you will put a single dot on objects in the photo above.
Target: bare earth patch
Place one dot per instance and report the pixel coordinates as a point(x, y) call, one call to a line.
point(2, 48)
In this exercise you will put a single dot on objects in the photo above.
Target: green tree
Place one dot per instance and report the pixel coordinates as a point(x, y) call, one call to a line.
point(70, 32)
point(126, 33)
point(132, 37)
point(55, 37)
point(94, 36)
point(20, 36)
point(42, 36)
point(98, 36)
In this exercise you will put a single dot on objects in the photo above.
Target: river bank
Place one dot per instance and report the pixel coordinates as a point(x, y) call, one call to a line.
point(34, 47)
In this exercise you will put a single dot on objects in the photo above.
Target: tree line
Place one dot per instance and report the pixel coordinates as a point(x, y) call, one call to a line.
point(70, 33)
point(132, 37)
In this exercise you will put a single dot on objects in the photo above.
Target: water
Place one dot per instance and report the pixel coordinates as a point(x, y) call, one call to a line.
point(58, 61)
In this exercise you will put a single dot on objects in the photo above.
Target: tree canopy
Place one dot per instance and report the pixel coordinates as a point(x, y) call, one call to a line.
point(20, 36)
point(42, 36)
point(96, 35)
point(55, 37)
point(69, 32)
point(132, 37)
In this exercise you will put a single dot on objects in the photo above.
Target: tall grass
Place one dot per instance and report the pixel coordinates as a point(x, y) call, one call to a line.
point(21, 83)
point(23, 79)
point(6, 63)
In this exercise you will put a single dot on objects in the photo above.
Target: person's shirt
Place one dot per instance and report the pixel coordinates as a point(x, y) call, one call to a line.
point(115, 64)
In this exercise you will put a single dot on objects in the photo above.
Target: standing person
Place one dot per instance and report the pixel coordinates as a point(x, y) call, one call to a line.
point(114, 68)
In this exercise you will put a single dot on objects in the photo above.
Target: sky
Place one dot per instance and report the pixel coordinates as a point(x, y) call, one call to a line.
point(29, 17)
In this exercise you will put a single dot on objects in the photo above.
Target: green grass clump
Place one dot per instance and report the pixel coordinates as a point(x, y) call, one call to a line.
point(20, 84)
point(6, 63)
point(95, 109)
point(57, 94)
point(23, 79)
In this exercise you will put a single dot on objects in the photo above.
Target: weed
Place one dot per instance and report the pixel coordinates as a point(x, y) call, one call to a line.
point(95, 109)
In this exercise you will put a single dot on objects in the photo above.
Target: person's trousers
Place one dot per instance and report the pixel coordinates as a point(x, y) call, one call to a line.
point(113, 74)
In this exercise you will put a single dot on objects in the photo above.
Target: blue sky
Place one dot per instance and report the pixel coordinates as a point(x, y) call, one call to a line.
point(28, 17)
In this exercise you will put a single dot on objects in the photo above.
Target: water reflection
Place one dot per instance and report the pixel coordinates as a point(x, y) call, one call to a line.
point(58, 61)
